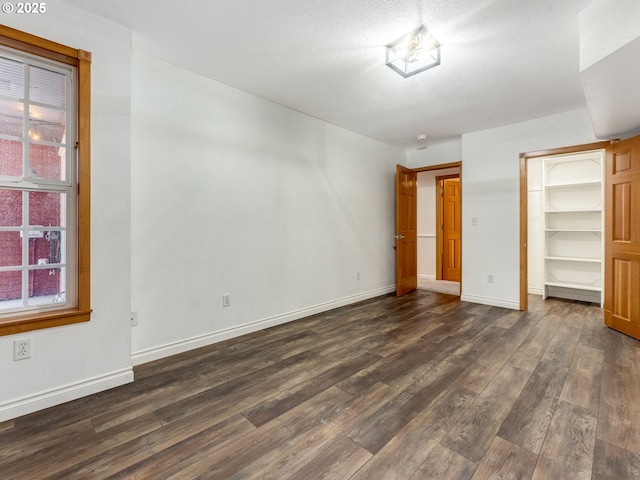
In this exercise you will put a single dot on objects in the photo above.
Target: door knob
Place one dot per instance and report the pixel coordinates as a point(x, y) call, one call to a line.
point(399, 237)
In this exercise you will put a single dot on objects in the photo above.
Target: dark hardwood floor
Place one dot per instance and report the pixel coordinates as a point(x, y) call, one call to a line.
point(418, 387)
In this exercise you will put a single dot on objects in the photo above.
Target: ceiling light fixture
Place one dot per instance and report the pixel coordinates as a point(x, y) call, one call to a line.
point(415, 52)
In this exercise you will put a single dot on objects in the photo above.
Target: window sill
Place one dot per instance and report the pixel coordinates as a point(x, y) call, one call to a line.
point(26, 323)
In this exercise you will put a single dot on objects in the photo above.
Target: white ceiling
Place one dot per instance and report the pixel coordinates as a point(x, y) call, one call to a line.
point(503, 61)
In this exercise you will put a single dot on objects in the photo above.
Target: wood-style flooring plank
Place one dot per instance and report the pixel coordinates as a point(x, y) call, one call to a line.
point(444, 464)
point(252, 385)
point(507, 320)
point(399, 412)
point(341, 459)
point(474, 432)
point(529, 419)
point(567, 451)
point(185, 383)
point(285, 400)
point(506, 461)
point(6, 426)
point(419, 357)
point(478, 375)
point(528, 422)
point(247, 452)
point(536, 343)
point(582, 386)
point(614, 463)
point(48, 462)
point(20, 442)
point(140, 457)
point(459, 350)
point(401, 457)
point(287, 459)
point(619, 411)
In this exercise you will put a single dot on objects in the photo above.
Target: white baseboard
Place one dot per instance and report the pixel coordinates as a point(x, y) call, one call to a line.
point(156, 353)
point(56, 396)
point(535, 291)
point(494, 302)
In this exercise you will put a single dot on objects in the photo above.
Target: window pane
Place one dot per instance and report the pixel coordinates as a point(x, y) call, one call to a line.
point(47, 87)
point(11, 78)
point(46, 124)
point(11, 117)
point(46, 247)
point(45, 286)
point(45, 208)
point(46, 162)
point(10, 249)
point(10, 158)
point(10, 289)
point(10, 208)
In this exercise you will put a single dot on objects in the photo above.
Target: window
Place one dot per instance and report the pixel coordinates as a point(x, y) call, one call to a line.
point(44, 183)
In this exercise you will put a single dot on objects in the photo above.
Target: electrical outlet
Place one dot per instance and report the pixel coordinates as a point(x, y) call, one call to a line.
point(134, 319)
point(22, 349)
point(226, 299)
point(489, 278)
point(474, 220)
point(357, 275)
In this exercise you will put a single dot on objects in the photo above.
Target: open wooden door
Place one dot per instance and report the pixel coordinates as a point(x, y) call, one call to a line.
point(451, 229)
point(622, 237)
point(406, 230)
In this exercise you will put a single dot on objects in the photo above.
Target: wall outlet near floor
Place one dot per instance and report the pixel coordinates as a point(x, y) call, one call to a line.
point(357, 275)
point(134, 319)
point(22, 349)
point(226, 299)
point(490, 278)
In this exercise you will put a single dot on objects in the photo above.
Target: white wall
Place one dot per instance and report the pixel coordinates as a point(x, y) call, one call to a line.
point(448, 151)
point(490, 192)
point(75, 360)
point(235, 194)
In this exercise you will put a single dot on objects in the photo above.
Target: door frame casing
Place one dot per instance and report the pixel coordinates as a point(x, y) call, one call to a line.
point(524, 211)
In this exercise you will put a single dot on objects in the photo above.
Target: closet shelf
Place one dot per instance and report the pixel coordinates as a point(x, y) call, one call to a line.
point(573, 211)
point(574, 184)
point(575, 259)
point(587, 230)
point(580, 286)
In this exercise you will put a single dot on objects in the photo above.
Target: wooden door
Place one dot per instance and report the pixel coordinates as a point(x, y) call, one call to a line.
point(451, 229)
point(622, 237)
point(406, 226)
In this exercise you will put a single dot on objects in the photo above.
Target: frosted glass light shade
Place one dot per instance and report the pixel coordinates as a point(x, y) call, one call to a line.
point(415, 52)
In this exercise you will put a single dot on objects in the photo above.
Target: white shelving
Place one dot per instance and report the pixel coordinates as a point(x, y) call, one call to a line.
point(573, 200)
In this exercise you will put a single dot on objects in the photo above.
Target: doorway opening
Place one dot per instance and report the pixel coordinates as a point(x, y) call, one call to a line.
point(439, 229)
point(529, 192)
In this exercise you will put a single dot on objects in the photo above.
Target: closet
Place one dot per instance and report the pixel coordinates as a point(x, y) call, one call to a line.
point(572, 202)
